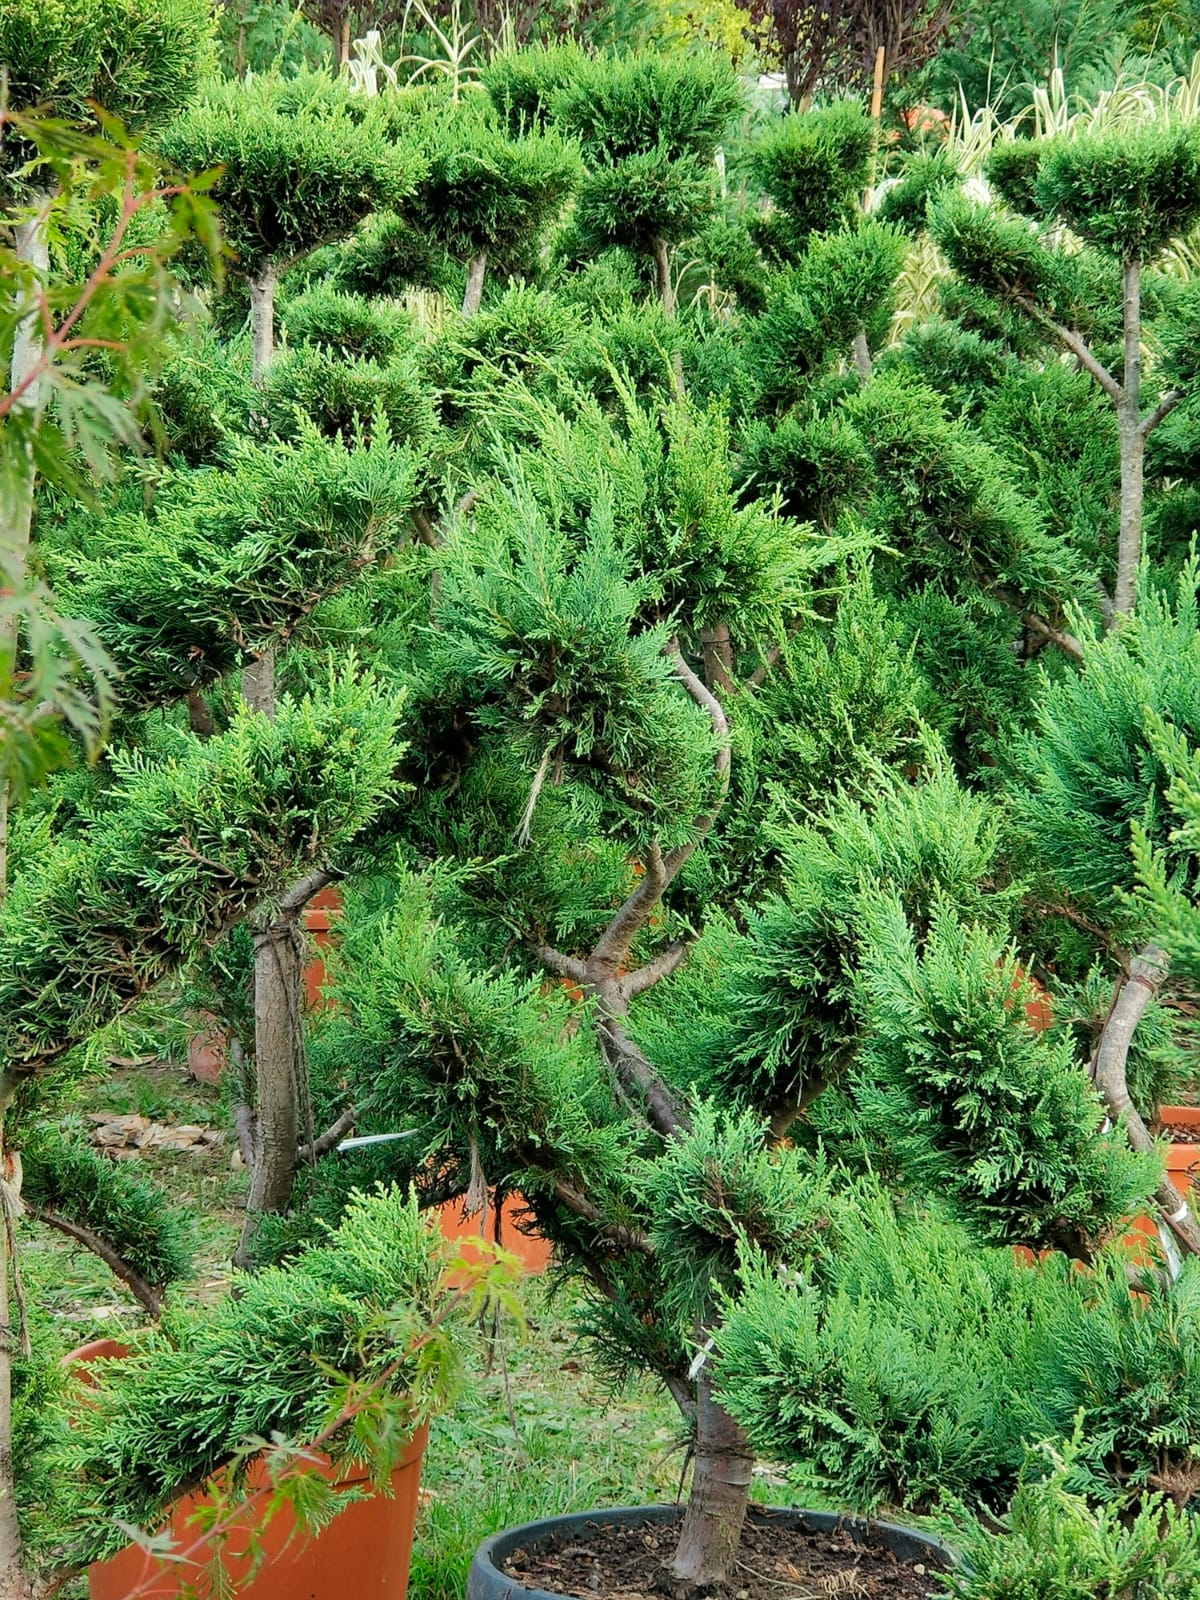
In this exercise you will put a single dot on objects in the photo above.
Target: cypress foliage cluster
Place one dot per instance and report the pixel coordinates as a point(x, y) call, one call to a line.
point(714, 705)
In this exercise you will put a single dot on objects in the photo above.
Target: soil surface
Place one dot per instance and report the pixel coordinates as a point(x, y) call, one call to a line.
point(776, 1563)
point(1182, 1132)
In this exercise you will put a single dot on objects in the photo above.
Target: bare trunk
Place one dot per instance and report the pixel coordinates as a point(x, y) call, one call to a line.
point(718, 657)
point(200, 717)
point(662, 276)
point(341, 45)
point(716, 1508)
point(278, 1069)
point(1133, 448)
point(1146, 976)
point(862, 357)
point(258, 684)
point(262, 322)
point(14, 1581)
point(476, 273)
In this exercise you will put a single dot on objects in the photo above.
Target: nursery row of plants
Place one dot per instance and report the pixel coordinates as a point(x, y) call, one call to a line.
point(712, 592)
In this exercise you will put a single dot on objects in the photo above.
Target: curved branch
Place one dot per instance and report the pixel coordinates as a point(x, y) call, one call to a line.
point(1076, 346)
point(580, 1206)
point(564, 966)
point(636, 1074)
point(1066, 642)
point(133, 1280)
point(1135, 989)
point(1163, 409)
point(660, 966)
point(613, 945)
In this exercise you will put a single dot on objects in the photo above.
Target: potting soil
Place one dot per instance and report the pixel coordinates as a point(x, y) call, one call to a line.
point(775, 1563)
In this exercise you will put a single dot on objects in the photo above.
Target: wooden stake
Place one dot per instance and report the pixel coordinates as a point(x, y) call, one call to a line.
point(877, 87)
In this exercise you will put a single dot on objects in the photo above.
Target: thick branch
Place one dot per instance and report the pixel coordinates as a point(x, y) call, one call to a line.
point(662, 965)
point(133, 1280)
point(1146, 976)
point(580, 1206)
point(1066, 642)
point(613, 944)
point(636, 1074)
point(709, 703)
point(1162, 410)
point(1076, 346)
point(565, 966)
point(334, 1134)
point(298, 896)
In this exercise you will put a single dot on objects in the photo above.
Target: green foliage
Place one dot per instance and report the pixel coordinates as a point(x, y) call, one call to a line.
point(183, 847)
point(1012, 171)
point(971, 1102)
point(479, 1061)
point(1128, 193)
point(1053, 1541)
point(914, 1368)
point(718, 1189)
point(232, 558)
point(522, 84)
point(109, 1198)
point(487, 193)
point(626, 106)
point(843, 285)
point(346, 325)
point(649, 127)
point(348, 398)
point(300, 164)
point(136, 60)
point(818, 466)
point(944, 502)
point(815, 166)
point(1095, 765)
point(276, 1360)
point(905, 204)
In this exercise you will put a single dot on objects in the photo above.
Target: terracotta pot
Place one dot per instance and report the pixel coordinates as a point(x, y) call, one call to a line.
point(364, 1552)
point(532, 1251)
point(208, 1051)
point(80, 1361)
point(1183, 1165)
point(318, 921)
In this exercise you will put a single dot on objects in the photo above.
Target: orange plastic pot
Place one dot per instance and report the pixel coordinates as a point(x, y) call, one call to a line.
point(532, 1251)
point(363, 1554)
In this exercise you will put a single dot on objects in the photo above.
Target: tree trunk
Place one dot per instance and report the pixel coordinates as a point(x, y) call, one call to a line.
point(278, 1070)
point(258, 684)
point(14, 1580)
point(718, 657)
point(662, 276)
point(862, 357)
point(716, 1508)
point(262, 322)
point(476, 272)
point(1133, 448)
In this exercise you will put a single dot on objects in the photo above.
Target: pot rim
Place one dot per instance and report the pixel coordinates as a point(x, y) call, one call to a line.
point(488, 1581)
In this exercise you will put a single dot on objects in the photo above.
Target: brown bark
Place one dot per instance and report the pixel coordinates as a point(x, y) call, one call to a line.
point(262, 322)
point(1133, 446)
point(278, 1063)
point(14, 1580)
point(200, 717)
point(476, 274)
point(662, 275)
point(1146, 975)
point(258, 684)
point(718, 657)
point(147, 1296)
point(716, 1508)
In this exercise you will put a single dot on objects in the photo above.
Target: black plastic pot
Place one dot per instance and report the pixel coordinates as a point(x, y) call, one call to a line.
point(488, 1581)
